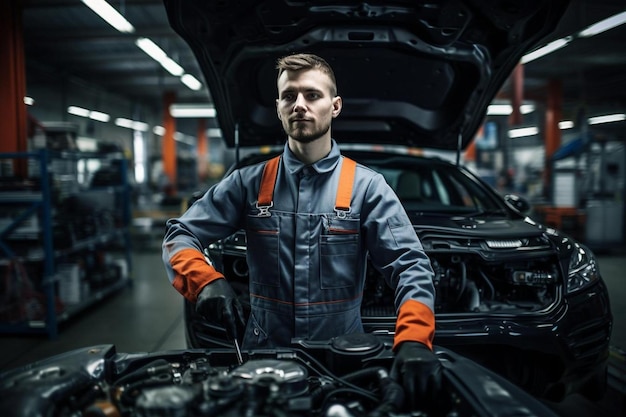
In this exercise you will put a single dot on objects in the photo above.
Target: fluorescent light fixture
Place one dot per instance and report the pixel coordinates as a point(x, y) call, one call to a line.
point(159, 55)
point(158, 130)
point(191, 82)
point(192, 110)
point(99, 116)
point(121, 122)
point(607, 118)
point(547, 49)
point(499, 109)
point(172, 66)
point(131, 124)
point(151, 48)
point(110, 15)
point(604, 25)
point(566, 124)
point(141, 126)
point(506, 109)
point(523, 131)
point(92, 114)
point(78, 111)
point(29, 101)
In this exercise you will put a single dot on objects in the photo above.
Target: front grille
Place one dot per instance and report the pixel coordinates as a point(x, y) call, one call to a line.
point(378, 311)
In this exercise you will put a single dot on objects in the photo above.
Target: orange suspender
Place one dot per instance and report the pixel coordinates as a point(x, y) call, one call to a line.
point(268, 180)
point(346, 181)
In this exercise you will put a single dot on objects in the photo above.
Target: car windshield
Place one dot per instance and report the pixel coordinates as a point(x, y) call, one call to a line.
point(439, 188)
point(425, 185)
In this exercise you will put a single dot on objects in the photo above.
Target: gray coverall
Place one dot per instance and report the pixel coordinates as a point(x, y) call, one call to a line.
point(307, 261)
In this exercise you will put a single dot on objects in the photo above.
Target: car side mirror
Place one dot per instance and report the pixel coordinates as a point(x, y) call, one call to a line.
point(518, 203)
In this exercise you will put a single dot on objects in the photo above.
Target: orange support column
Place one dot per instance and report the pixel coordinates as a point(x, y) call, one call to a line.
point(12, 79)
point(470, 151)
point(168, 154)
point(553, 116)
point(203, 147)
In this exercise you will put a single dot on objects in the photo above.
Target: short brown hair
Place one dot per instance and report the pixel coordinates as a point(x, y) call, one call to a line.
point(299, 62)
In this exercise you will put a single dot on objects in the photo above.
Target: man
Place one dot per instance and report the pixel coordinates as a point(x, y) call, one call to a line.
point(311, 217)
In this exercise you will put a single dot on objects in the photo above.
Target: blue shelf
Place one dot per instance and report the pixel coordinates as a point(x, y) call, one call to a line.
point(36, 202)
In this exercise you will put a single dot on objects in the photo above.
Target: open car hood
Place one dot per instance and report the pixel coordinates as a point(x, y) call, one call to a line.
point(415, 72)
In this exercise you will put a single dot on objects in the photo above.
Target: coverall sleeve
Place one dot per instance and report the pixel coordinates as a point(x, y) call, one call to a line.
point(396, 251)
point(214, 216)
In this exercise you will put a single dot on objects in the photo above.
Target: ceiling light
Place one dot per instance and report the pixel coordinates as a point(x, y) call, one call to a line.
point(506, 109)
point(172, 66)
point(499, 109)
point(604, 25)
point(191, 82)
point(131, 124)
point(92, 114)
point(110, 15)
point(151, 48)
point(78, 111)
point(192, 110)
point(566, 124)
point(29, 101)
point(159, 55)
point(607, 118)
point(524, 131)
point(158, 130)
point(547, 49)
point(99, 116)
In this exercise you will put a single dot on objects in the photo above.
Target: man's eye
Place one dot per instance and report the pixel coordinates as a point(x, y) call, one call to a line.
point(313, 96)
point(288, 97)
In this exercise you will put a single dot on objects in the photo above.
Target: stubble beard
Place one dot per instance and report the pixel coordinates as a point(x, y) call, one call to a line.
point(302, 136)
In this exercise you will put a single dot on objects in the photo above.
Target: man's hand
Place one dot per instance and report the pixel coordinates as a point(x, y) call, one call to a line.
point(419, 371)
point(218, 302)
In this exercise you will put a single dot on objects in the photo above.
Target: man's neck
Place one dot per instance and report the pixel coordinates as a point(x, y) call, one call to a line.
point(310, 153)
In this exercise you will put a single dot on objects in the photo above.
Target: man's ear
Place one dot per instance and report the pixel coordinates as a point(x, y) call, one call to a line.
point(337, 105)
point(277, 111)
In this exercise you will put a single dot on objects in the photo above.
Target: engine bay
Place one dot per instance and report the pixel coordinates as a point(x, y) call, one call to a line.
point(348, 376)
point(464, 283)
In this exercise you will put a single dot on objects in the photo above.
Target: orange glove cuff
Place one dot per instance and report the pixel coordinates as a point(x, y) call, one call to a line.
point(416, 323)
point(192, 273)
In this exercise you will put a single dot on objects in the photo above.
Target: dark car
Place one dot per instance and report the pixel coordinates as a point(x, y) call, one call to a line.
point(523, 299)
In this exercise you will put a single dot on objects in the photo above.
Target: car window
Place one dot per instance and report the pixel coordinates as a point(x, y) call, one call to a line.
point(428, 188)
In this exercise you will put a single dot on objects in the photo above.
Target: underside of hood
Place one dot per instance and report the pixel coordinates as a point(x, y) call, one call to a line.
point(414, 73)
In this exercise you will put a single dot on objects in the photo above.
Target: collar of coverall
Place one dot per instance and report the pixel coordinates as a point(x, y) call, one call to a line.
point(326, 164)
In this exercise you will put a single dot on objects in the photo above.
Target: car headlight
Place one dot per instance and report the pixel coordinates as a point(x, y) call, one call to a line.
point(583, 269)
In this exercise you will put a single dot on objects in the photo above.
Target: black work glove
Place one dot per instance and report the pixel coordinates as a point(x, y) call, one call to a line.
point(218, 302)
point(419, 371)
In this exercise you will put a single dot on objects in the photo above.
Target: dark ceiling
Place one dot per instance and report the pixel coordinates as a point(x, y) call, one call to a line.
point(64, 38)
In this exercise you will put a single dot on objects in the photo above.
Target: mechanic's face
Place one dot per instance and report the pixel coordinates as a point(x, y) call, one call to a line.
point(305, 104)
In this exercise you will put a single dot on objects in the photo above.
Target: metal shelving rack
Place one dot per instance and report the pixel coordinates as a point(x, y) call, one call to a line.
point(39, 202)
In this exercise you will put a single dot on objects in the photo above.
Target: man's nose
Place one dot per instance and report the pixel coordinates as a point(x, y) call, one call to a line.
point(300, 103)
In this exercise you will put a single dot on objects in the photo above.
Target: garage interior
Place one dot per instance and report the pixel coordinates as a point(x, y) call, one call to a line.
point(555, 134)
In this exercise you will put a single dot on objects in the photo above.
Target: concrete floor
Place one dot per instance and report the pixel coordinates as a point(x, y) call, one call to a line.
point(148, 317)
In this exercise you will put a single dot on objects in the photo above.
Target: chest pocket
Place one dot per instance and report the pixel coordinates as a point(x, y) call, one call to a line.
point(262, 238)
point(339, 253)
